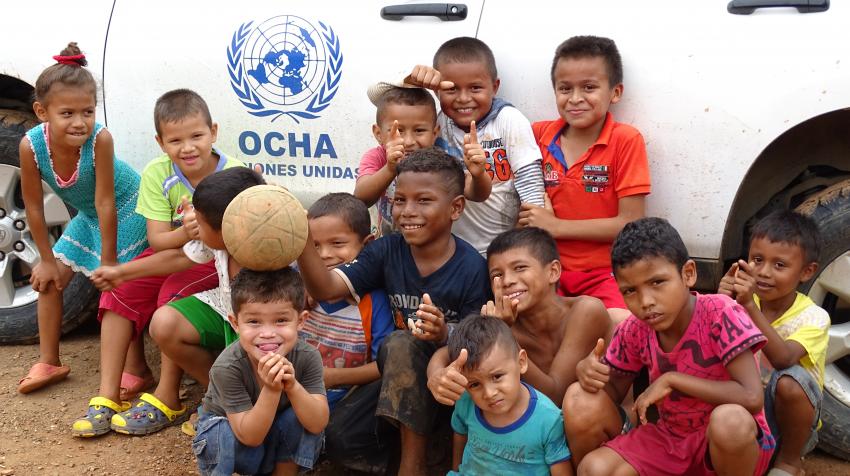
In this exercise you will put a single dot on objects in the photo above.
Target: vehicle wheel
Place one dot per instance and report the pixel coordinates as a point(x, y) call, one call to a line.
point(830, 208)
point(18, 253)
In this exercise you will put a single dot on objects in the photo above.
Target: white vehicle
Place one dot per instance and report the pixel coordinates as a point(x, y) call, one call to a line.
point(744, 109)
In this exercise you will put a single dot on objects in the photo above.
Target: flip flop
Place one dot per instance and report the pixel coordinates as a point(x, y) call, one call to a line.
point(41, 375)
point(133, 385)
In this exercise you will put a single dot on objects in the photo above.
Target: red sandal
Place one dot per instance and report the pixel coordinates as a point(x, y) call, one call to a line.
point(42, 375)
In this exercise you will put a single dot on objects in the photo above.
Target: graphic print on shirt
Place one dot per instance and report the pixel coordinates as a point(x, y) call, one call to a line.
point(595, 178)
point(497, 165)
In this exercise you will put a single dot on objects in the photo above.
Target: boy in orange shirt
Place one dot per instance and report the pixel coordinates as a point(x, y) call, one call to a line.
point(595, 169)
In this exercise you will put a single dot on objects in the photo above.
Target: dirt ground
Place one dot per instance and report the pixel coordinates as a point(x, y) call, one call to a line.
point(35, 436)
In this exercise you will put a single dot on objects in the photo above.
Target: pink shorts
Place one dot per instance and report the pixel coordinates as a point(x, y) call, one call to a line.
point(652, 451)
point(137, 300)
point(598, 283)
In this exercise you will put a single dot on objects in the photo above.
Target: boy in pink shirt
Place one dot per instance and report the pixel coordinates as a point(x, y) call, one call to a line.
point(406, 120)
point(704, 377)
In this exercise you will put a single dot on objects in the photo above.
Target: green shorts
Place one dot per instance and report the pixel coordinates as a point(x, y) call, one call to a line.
point(216, 333)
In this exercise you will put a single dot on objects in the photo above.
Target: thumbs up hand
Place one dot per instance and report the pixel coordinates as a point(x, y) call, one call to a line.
point(745, 283)
point(448, 384)
point(592, 373)
point(473, 154)
point(190, 222)
point(394, 147)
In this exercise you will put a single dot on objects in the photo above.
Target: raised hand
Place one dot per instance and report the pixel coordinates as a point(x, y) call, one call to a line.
point(727, 282)
point(428, 77)
point(503, 307)
point(448, 384)
point(190, 222)
point(473, 153)
point(431, 322)
point(591, 372)
point(745, 283)
point(394, 147)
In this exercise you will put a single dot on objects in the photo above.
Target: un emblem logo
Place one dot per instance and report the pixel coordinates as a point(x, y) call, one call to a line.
point(285, 66)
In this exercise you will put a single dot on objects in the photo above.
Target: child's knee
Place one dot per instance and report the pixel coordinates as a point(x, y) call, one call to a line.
point(731, 426)
point(166, 324)
point(789, 390)
point(583, 410)
point(597, 463)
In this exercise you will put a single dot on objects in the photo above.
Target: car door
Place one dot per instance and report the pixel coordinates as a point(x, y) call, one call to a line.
point(286, 81)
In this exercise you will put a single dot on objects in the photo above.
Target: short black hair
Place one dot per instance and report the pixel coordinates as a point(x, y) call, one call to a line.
point(436, 161)
point(216, 191)
point(465, 49)
point(478, 335)
point(178, 104)
point(537, 241)
point(589, 46)
point(405, 97)
point(284, 284)
point(345, 206)
point(793, 228)
point(649, 237)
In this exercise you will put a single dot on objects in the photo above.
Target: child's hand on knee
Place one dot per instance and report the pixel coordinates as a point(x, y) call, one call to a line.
point(431, 323)
point(592, 374)
point(448, 384)
point(43, 275)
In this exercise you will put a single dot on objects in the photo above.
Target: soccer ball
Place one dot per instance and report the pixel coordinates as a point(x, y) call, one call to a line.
point(264, 228)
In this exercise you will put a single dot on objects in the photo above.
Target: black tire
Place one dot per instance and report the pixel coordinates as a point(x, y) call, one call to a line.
point(830, 208)
point(19, 323)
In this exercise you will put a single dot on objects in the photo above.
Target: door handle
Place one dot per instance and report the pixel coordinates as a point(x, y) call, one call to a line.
point(443, 11)
point(745, 7)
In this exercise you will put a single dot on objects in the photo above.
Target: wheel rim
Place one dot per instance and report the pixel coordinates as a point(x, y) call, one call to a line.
point(832, 291)
point(18, 252)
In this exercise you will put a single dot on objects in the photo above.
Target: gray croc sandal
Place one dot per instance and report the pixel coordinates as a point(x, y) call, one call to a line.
point(147, 415)
point(97, 419)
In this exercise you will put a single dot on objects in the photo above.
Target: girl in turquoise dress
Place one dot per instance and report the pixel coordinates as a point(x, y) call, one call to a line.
point(74, 156)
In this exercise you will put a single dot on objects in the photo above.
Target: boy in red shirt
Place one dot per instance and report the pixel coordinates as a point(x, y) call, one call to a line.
point(595, 170)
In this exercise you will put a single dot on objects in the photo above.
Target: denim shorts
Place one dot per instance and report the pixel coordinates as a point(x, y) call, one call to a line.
point(219, 453)
point(810, 387)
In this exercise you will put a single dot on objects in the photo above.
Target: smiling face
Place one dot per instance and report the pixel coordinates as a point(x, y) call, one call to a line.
point(523, 276)
point(267, 327)
point(335, 242)
point(472, 95)
point(582, 91)
point(188, 143)
point(417, 125)
point(657, 292)
point(779, 268)
point(495, 385)
point(70, 112)
point(423, 209)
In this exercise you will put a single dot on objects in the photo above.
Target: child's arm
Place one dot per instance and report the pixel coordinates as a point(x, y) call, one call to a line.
point(458, 445)
point(596, 229)
point(744, 388)
point(478, 182)
point(311, 409)
point(740, 284)
point(321, 283)
point(335, 377)
point(46, 271)
point(564, 468)
point(104, 197)
point(251, 427)
point(370, 188)
point(161, 263)
point(162, 237)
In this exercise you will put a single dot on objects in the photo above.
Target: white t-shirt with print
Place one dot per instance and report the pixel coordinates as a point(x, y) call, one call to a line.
point(217, 298)
point(509, 145)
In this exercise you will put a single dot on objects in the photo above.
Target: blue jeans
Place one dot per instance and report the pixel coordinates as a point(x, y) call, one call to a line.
point(810, 386)
point(219, 453)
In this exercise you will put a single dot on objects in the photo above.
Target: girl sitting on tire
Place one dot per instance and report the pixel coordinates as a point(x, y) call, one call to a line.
point(74, 156)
